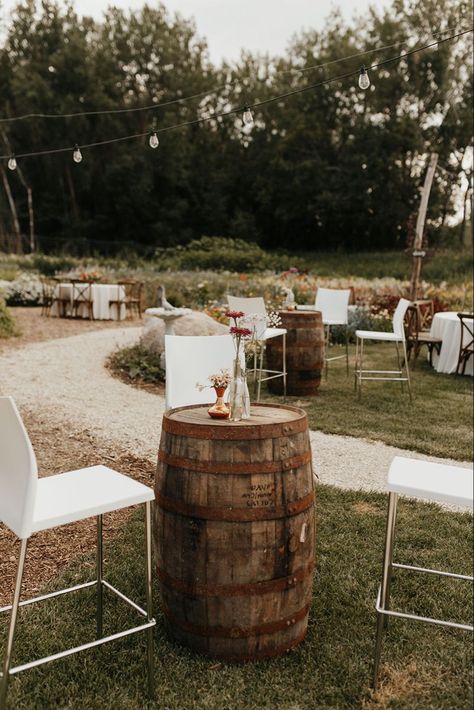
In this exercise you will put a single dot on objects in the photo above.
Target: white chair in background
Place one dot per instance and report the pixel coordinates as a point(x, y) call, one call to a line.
point(418, 479)
point(29, 505)
point(251, 306)
point(334, 306)
point(397, 336)
point(190, 359)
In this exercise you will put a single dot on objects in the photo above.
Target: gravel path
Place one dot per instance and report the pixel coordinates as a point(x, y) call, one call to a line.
point(65, 381)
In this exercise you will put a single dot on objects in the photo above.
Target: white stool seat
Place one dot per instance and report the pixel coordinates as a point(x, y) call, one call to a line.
point(273, 333)
point(331, 321)
point(75, 495)
point(424, 479)
point(378, 335)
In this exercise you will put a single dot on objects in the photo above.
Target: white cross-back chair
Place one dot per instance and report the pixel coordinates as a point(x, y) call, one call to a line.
point(190, 359)
point(397, 336)
point(29, 504)
point(252, 306)
point(334, 304)
point(427, 480)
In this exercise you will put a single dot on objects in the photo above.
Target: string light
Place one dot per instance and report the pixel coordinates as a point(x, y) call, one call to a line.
point(12, 162)
point(364, 81)
point(77, 155)
point(154, 141)
point(216, 89)
point(248, 116)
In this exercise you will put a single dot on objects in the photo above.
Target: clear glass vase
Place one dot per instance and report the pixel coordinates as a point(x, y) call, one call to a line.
point(239, 399)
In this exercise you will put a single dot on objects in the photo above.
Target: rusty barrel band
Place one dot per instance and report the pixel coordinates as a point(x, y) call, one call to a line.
point(236, 515)
point(260, 655)
point(224, 467)
point(236, 632)
point(236, 590)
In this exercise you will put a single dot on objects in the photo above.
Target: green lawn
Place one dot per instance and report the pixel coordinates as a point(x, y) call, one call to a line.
point(438, 422)
point(422, 666)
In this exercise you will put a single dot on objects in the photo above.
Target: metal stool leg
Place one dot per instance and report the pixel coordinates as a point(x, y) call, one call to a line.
point(407, 371)
point(361, 357)
point(149, 602)
point(284, 365)
point(386, 579)
point(259, 384)
point(356, 363)
point(100, 574)
point(11, 629)
point(399, 363)
point(347, 351)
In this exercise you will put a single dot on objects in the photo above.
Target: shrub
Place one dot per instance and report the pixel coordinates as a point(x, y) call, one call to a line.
point(25, 290)
point(220, 254)
point(7, 323)
point(136, 363)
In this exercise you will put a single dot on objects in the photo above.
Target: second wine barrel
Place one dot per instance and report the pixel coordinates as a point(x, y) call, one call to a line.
point(234, 531)
point(304, 353)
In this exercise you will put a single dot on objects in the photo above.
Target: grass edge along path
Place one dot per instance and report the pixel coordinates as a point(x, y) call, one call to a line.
point(422, 665)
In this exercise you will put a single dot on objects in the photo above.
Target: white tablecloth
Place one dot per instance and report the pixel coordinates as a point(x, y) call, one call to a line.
point(101, 295)
point(447, 326)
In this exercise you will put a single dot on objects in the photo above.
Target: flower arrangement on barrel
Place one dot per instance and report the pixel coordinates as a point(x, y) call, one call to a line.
point(220, 381)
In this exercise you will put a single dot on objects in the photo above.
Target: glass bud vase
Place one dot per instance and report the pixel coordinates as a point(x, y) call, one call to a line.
point(236, 392)
point(219, 410)
point(245, 397)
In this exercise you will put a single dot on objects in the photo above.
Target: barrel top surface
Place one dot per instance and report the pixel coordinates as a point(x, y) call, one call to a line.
point(265, 420)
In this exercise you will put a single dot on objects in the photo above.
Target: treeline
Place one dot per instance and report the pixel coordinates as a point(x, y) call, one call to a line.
point(332, 167)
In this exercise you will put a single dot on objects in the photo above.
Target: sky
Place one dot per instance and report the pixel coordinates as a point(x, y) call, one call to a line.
point(230, 25)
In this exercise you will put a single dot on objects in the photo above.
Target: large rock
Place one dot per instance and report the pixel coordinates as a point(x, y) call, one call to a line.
point(197, 323)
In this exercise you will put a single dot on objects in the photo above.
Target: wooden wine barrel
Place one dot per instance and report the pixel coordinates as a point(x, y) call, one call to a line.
point(234, 531)
point(304, 353)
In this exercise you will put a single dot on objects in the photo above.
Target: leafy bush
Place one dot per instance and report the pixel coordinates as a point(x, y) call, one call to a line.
point(220, 254)
point(7, 323)
point(50, 265)
point(135, 363)
point(25, 290)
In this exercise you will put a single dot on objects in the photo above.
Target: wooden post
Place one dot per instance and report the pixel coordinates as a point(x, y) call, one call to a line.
point(418, 253)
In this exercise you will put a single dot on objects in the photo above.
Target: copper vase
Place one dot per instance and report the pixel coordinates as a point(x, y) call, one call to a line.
point(219, 410)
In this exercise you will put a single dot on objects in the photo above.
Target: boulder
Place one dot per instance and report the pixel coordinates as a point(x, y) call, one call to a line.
point(197, 323)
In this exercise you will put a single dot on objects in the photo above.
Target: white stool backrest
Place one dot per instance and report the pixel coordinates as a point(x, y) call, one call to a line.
point(247, 305)
point(190, 359)
point(333, 304)
point(18, 471)
point(398, 317)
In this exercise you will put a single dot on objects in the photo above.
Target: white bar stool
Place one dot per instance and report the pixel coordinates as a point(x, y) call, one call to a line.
point(334, 306)
point(29, 505)
point(418, 479)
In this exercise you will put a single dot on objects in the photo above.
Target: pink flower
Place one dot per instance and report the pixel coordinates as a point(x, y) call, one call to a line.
point(234, 314)
point(241, 332)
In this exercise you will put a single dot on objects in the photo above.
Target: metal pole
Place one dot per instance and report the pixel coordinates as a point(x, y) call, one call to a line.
point(100, 574)
point(149, 598)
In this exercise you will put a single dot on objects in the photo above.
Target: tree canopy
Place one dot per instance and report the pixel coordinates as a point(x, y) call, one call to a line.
point(331, 167)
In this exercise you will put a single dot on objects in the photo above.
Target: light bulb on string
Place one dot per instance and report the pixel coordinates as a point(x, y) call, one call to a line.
point(364, 81)
point(154, 141)
point(248, 116)
point(77, 155)
point(12, 163)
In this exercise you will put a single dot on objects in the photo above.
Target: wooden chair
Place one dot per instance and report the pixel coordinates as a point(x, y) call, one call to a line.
point(417, 337)
point(82, 298)
point(47, 295)
point(466, 349)
point(425, 310)
point(130, 296)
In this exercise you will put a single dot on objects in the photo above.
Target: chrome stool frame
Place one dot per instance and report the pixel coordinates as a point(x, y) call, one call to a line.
point(381, 375)
point(382, 604)
point(100, 583)
point(258, 370)
point(336, 357)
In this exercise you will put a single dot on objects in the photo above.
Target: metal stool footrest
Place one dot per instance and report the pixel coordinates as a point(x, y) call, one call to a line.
point(91, 644)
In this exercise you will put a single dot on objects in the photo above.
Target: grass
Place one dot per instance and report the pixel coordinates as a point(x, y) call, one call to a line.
point(438, 422)
point(422, 665)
